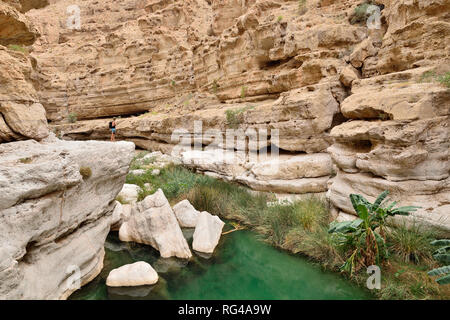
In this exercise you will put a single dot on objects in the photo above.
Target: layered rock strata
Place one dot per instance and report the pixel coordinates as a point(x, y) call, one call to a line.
point(309, 79)
point(22, 116)
point(51, 236)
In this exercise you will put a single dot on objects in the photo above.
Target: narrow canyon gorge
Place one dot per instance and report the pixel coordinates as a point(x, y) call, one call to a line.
point(347, 105)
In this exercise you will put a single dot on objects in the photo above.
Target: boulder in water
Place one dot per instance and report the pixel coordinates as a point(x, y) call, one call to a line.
point(186, 214)
point(207, 232)
point(130, 275)
point(153, 222)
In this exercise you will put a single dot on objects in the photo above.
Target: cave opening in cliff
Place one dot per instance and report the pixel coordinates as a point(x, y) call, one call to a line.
point(272, 64)
point(361, 146)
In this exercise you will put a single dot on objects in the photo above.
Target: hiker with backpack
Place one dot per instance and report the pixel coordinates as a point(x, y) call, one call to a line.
point(112, 127)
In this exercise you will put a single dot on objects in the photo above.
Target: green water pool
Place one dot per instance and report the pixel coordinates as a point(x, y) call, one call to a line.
point(242, 267)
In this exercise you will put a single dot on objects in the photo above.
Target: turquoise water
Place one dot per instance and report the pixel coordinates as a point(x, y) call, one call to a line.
point(242, 267)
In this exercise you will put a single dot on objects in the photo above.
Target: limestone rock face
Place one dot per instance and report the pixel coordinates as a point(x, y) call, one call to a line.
point(403, 96)
point(348, 75)
point(22, 116)
point(401, 144)
point(423, 23)
point(431, 196)
point(186, 214)
point(287, 168)
point(207, 232)
point(302, 80)
point(153, 222)
point(52, 227)
point(15, 27)
point(306, 173)
point(130, 275)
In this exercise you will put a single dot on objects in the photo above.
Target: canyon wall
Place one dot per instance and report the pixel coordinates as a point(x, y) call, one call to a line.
point(352, 102)
point(56, 197)
point(56, 204)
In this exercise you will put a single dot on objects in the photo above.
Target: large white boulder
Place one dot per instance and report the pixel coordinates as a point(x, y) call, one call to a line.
point(53, 219)
point(207, 232)
point(130, 193)
point(186, 214)
point(136, 274)
point(153, 222)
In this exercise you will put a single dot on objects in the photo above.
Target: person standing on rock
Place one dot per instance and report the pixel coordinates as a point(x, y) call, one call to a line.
point(112, 126)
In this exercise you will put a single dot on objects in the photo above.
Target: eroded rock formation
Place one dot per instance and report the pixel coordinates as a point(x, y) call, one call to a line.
point(56, 197)
point(56, 204)
point(22, 116)
point(315, 78)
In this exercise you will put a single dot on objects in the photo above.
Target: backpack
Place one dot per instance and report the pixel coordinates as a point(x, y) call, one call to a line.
point(110, 124)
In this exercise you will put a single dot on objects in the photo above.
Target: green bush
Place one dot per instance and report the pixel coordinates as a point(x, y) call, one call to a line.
point(318, 244)
point(236, 117)
point(138, 162)
point(85, 172)
point(121, 200)
point(427, 76)
point(365, 235)
point(25, 160)
point(360, 15)
point(243, 92)
point(442, 255)
point(204, 198)
point(410, 243)
point(214, 87)
point(444, 79)
point(16, 47)
point(72, 117)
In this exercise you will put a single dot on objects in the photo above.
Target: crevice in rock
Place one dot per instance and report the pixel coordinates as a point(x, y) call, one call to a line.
point(361, 146)
point(18, 134)
point(26, 258)
point(338, 118)
point(272, 64)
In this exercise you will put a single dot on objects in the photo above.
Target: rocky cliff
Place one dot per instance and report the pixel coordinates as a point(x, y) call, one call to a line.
point(22, 116)
point(350, 98)
point(351, 101)
point(56, 204)
point(56, 197)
